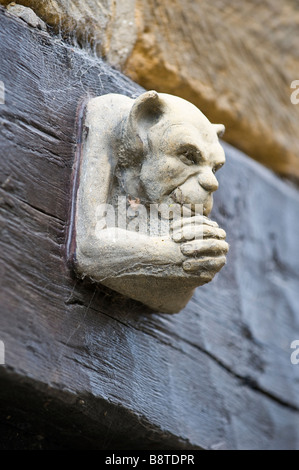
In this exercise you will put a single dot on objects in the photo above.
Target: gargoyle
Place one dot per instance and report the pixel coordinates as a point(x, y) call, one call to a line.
point(147, 164)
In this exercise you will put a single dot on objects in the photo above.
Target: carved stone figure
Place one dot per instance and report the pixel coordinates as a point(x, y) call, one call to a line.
point(146, 183)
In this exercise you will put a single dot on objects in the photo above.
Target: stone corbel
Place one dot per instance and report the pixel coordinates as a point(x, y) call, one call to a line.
point(145, 190)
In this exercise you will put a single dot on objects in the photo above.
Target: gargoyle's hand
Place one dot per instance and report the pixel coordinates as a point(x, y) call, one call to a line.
point(196, 227)
point(205, 257)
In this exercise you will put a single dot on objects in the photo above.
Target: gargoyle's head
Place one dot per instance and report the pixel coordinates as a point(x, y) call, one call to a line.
point(176, 150)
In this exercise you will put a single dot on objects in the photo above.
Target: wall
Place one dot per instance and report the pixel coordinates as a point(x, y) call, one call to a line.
point(87, 368)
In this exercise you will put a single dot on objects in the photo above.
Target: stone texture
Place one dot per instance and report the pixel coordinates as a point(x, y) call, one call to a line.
point(28, 15)
point(86, 365)
point(234, 60)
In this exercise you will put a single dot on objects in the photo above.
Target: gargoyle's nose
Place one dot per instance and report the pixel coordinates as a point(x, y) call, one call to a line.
point(208, 180)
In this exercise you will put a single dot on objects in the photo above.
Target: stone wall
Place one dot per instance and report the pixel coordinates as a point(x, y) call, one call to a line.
point(88, 369)
point(234, 60)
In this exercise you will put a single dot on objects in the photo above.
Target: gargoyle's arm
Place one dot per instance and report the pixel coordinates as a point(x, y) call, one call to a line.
point(114, 251)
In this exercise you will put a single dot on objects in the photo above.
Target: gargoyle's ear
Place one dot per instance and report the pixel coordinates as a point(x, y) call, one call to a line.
point(220, 129)
point(146, 110)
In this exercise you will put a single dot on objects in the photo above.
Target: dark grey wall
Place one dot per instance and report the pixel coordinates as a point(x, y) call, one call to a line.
point(84, 366)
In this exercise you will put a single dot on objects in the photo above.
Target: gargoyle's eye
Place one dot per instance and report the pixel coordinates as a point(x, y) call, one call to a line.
point(190, 156)
point(217, 167)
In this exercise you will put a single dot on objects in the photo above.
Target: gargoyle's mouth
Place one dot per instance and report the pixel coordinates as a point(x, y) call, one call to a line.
point(191, 209)
point(197, 209)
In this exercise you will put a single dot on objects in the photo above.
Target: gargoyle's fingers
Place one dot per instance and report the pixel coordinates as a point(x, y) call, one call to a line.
point(198, 232)
point(207, 266)
point(197, 219)
point(205, 247)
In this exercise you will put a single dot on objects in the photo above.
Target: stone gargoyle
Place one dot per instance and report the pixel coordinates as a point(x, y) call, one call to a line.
point(146, 182)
